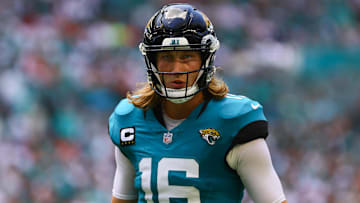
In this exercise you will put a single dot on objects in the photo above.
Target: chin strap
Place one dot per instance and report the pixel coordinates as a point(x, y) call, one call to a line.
point(180, 101)
point(181, 93)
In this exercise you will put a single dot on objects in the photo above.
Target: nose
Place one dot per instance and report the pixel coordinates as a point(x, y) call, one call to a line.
point(178, 66)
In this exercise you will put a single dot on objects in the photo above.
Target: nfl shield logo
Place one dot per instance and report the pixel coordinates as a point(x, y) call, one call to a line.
point(167, 139)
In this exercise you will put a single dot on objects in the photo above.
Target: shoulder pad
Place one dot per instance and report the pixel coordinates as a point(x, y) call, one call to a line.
point(124, 107)
point(235, 105)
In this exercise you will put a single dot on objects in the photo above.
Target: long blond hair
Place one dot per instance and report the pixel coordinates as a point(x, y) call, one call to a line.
point(145, 97)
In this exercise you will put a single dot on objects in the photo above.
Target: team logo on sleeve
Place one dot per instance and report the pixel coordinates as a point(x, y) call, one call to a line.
point(127, 136)
point(210, 135)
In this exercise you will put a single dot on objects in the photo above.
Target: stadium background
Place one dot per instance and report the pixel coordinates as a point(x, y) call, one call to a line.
point(65, 64)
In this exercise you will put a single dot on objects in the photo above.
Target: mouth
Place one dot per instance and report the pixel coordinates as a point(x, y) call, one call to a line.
point(177, 84)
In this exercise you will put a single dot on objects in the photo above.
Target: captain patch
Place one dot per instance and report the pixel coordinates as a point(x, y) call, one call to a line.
point(127, 136)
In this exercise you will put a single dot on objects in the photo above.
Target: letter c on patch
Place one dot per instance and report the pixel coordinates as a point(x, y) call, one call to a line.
point(127, 136)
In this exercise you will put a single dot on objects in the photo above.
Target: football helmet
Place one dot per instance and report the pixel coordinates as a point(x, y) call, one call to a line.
point(179, 27)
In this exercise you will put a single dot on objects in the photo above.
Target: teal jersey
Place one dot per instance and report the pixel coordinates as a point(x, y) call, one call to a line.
point(187, 163)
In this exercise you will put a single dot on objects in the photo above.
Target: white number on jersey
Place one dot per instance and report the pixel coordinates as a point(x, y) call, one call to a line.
point(166, 191)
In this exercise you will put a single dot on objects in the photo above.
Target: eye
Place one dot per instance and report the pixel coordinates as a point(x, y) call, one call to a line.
point(186, 56)
point(165, 57)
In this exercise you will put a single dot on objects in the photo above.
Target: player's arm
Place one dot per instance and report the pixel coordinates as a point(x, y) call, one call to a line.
point(252, 162)
point(123, 188)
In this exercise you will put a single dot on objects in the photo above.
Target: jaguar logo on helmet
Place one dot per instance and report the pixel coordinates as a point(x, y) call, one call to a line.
point(207, 20)
point(210, 135)
point(179, 27)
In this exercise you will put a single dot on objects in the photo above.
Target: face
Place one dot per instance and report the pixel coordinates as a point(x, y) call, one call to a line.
point(178, 61)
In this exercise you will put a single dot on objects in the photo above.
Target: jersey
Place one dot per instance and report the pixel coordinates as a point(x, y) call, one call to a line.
point(187, 163)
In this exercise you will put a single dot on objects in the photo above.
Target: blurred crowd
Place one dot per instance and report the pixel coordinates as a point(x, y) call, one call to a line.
point(65, 64)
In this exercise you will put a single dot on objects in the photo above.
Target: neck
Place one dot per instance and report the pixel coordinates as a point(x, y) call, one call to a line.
point(181, 111)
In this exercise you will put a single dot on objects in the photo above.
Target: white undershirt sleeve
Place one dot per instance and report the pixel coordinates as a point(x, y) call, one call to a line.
point(253, 164)
point(123, 187)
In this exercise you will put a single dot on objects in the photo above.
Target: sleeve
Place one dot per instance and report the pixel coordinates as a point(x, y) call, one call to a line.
point(252, 131)
point(253, 164)
point(123, 187)
point(113, 130)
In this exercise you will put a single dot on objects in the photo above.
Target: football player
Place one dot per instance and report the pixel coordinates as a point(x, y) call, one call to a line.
point(182, 137)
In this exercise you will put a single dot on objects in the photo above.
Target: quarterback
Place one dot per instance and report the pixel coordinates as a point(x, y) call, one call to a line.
point(182, 137)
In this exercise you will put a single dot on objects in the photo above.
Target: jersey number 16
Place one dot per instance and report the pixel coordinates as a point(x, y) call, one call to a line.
point(166, 191)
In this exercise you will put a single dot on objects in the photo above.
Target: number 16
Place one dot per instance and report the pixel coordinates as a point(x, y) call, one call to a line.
point(166, 191)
